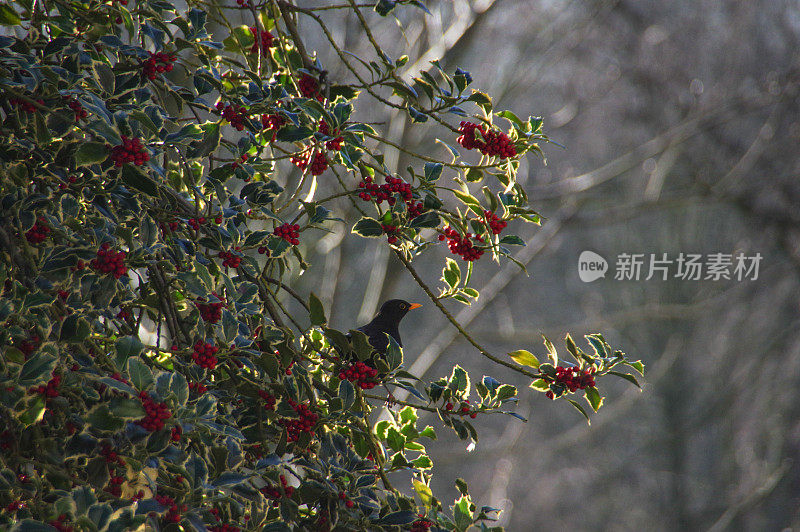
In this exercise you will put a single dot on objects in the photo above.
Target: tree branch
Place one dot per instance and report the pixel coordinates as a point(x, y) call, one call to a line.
point(485, 352)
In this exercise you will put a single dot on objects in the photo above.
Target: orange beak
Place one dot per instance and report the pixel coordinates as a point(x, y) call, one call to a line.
point(414, 305)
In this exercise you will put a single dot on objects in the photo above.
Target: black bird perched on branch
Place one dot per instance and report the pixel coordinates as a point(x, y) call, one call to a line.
point(387, 321)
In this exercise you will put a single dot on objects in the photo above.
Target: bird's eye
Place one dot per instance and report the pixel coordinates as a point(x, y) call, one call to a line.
point(402, 307)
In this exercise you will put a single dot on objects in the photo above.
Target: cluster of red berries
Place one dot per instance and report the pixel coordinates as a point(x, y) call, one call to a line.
point(173, 510)
point(115, 485)
point(117, 376)
point(13, 506)
point(210, 312)
point(288, 232)
point(29, 345)
point(109, 261)
point(49, 390)
point(269, 399)
point(494, 143)
point(198, 387)
point(263, 249)
point(274, 493)
point(195, 223)
point(273, 123)
point(155, 413)
point(309, 87)
point(335, 144)
point(244, 3)
point(113, 460)
point(123, 314)
point(462, 245)
point(63, 295)
point(361, 374)
point(24, 106)
point(235, 114)
point(60, 523)
point(380, 193)
point(38, 233)
point(390, 230)
point(176, 433)
point(322, 522)
point(371, 191)
point(496, 225)
point(319, 163)
point(111, 456)
point(421, 525)
point(573, 378)
point(305, 423)
point(203, 355)
point(169, 226)
point(71, 180)
point(229, 259)
point(76, 107)
point(241, 161)
point(464, 408)
point(414, 208)
point(79, 266)
point(215, 513)
point(130, 151)
point(347, 501)
point(266, 40)
point(158, 63)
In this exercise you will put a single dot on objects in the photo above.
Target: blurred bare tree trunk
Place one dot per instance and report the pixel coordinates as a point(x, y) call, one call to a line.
point(681, 123)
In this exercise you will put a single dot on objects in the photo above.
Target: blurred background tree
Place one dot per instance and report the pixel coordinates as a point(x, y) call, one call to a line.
point(681, 126)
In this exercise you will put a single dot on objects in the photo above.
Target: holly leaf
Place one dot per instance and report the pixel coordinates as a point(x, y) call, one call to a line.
point(137, 179)
point(581, 410)
point(37, 369)
point(91, 153)
point(316, 310)
point(593, 397)
point(141, 376)
point(524, 358)
point(368, 227)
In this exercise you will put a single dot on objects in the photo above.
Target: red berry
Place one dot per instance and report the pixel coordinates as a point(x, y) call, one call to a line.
point(288, 232)
point(266, 40)
point(493, 143)
point(236, 115)
point(130, 151)
point(157, 63)
point(309, 87)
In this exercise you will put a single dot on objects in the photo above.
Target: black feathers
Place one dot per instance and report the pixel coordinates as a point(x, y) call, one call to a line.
point(386, 322)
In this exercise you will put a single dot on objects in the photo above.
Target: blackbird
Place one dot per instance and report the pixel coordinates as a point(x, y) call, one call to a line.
point(387, 321)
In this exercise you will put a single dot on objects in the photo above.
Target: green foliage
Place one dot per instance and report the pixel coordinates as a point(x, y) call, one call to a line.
point(151, 372)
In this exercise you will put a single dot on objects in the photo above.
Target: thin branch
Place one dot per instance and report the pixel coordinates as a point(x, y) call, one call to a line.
point(292, 28)
point(485, 352)
point(289, 290)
